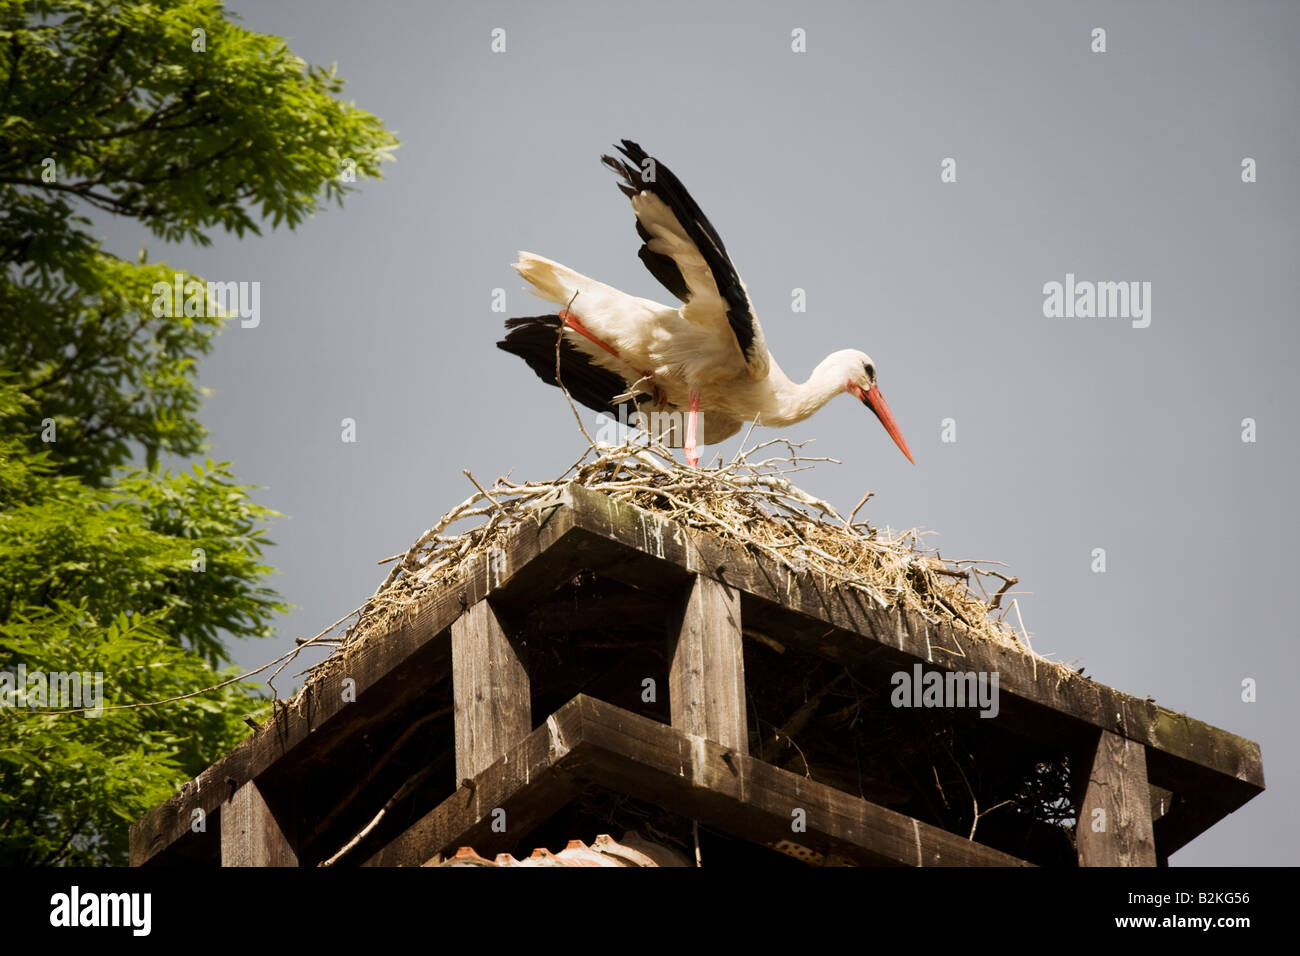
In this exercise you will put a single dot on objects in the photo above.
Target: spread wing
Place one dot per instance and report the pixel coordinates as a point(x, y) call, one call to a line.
point(683, 251)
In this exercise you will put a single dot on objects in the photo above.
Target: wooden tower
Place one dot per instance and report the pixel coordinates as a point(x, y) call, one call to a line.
point(607, 657)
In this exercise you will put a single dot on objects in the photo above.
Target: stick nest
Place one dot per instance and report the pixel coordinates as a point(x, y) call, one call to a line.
point(749, 499)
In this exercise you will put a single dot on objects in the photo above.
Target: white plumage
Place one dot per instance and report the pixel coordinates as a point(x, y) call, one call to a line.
point(707, 356)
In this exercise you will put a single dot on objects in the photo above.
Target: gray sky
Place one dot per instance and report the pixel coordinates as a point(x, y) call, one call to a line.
point(821, 171)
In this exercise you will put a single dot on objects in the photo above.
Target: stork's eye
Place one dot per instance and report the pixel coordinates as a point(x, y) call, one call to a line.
point(870, 370)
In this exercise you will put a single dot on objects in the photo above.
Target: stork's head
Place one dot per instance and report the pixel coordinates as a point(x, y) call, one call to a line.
point(860, 382)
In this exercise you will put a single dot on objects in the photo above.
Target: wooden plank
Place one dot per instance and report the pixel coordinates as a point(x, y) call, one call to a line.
point(590, 742)
point(760, 802)
point(1114, 824)
point(706, 675)
point(250, 833)
point(490, 688)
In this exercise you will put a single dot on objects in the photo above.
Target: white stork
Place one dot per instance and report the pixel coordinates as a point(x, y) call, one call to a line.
point(708, 356)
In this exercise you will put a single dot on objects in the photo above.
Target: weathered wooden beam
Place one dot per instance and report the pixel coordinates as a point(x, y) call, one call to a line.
point(490, 689)
point(1114, 820)
point(706, 674)
point(250, 833)
point(590, 742)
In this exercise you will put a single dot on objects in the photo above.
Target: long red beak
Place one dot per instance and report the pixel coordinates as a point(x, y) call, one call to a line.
point(876, 402)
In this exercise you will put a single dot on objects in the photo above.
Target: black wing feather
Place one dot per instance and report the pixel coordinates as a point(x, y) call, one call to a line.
point(669, 189)
point(662, 267)
point(533, 339)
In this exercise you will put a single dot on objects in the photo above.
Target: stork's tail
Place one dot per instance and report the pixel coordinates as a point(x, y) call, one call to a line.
point(550, 280)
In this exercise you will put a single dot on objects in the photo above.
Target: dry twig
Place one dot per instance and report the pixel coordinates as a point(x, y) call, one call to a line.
point(749, 500)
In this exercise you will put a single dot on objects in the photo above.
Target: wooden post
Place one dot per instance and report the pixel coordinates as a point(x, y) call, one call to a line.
point(250, 833)
point(1114, 826)
point(706, 678)
point(491, 691)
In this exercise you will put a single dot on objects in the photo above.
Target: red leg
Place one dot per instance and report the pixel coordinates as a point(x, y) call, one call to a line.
point(692, 449)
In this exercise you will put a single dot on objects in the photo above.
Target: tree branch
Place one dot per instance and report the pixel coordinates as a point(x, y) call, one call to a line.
point(97, 69)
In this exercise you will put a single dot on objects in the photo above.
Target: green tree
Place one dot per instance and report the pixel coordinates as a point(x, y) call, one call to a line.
point(172, 114)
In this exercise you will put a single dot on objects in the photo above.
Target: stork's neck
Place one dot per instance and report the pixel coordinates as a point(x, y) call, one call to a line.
point(787, 402)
